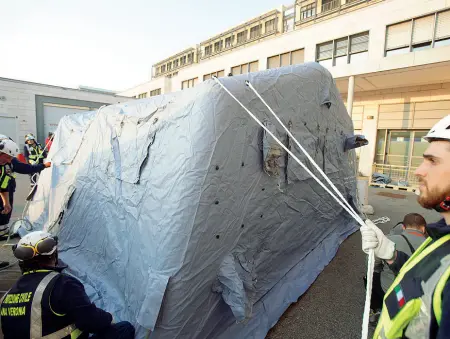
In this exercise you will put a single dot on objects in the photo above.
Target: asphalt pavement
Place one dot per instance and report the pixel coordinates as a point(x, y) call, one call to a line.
point(332, 308)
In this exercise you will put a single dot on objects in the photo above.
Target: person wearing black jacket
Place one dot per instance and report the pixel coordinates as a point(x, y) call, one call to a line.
point(46, 302)
point(9, 165)
point(417, 305)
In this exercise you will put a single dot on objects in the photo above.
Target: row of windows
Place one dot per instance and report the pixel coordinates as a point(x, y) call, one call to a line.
point(219, 74)
point(189, 83)
point(181, 61)
point(310, 10)
point(152, 94)
point(155, 92)
point(286, 59)
point(343, 50)
point(418, 34)
point(241, 37)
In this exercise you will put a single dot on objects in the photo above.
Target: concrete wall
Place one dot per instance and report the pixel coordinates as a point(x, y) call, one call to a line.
point(19, 100)
point(373, 18)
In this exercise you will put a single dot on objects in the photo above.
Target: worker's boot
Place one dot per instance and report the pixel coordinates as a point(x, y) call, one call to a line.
point(4, 264)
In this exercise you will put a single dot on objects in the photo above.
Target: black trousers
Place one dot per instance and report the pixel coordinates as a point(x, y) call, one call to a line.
point(376, 299)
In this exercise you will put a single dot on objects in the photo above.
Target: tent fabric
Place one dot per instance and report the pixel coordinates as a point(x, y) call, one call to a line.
point(181, 216)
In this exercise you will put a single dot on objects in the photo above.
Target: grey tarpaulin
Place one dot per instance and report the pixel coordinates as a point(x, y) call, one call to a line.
point(173, 214)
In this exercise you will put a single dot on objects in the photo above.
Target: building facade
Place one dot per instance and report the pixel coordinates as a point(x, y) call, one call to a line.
point(27, 107)
point(390, 60)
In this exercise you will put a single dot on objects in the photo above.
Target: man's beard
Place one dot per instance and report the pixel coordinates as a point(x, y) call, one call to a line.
point(433, 197)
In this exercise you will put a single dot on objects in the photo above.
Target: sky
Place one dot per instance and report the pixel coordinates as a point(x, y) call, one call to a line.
point(108, 44)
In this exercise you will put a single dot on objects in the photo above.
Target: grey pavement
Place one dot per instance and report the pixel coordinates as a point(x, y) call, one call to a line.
point(333, 306)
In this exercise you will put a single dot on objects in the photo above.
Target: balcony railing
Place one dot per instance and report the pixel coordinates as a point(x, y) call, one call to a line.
point(397, 175)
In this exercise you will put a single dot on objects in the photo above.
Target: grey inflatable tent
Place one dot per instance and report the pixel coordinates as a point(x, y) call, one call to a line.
point(180, 215)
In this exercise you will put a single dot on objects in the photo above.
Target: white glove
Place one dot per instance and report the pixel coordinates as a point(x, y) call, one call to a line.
point(374, 239)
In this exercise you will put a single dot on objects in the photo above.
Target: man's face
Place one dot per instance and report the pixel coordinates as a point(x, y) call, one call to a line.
point(5, 159)
point(434, 174)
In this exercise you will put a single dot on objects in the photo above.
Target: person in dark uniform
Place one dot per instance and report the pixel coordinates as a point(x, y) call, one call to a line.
point(45, 303)
point(9, 165)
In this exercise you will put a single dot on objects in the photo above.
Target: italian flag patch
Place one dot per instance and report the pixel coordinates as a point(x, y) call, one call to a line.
point(400, 297)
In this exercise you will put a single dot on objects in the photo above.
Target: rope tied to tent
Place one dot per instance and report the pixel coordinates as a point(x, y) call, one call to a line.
point(337, 196)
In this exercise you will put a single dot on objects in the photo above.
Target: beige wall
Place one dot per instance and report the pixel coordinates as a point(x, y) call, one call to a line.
point(416, 107)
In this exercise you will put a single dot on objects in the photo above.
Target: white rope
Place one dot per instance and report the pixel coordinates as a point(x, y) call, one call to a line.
point(343, 203)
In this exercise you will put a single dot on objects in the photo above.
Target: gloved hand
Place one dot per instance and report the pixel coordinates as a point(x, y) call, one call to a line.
point(374, 239)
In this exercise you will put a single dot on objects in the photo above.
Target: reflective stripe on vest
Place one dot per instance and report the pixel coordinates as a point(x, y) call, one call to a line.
point(34, 153)
point(36, 314)
point(408, 302)
point(437, 297)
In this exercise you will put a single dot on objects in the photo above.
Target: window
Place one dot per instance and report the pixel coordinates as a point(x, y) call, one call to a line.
point(307, 11)
point(163, 68)
point(142, 95)
point(380, 146)
point(155, 92)
point(245, 68)
point(328, 5)
point(270, 26)
point(219, 74)
point(359, 47)
point(442, 35)
point(290, 58)
point(400, 147)
point(288, 25)
point(218, 46)
point(208, 50)
point(324, 52)
point(169, 66)
point(229, 41)
point(255, 31)
point(175, 63)
point(189, 83)
point(190, 58)
point(242, 37)
point(342, 51)
point(418, 34)
point(183, 60)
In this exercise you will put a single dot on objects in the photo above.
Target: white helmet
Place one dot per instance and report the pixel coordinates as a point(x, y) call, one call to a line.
point(29, 137)
point(9, 147)
point(34, 244)
point(440, 131)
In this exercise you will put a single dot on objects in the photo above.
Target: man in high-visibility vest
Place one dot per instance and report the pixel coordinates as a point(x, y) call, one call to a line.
point(33, 151)
point(34, 154)
point(45, 303)
point(417, 305)
point(9, 165)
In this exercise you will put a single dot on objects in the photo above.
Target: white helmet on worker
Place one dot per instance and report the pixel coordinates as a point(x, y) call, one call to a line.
point(440, 131)
point(29, 137)
point(9, 147)
point(35, 244)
